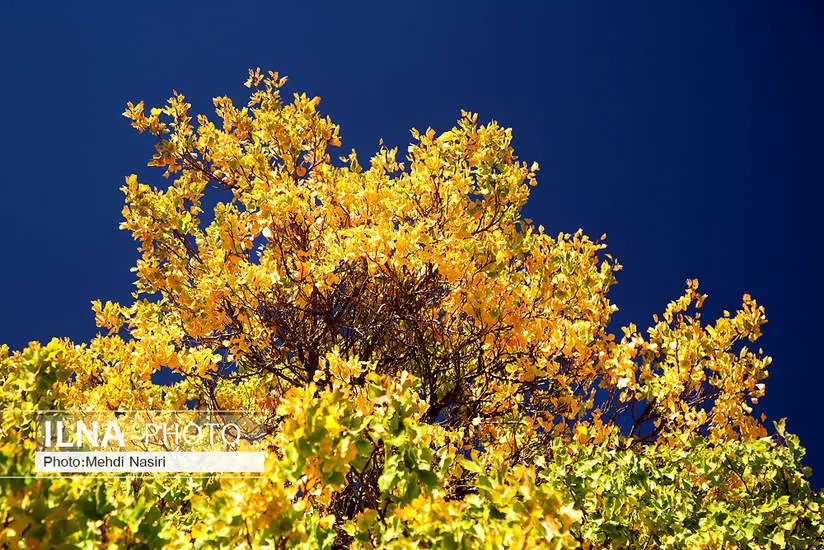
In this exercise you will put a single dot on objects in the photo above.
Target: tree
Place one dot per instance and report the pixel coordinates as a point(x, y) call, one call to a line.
point(438, 370)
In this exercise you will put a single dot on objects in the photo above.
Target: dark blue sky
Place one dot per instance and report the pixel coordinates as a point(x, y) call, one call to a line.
point(689, 132)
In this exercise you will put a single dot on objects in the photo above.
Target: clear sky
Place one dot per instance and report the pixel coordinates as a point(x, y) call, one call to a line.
point(688, 131)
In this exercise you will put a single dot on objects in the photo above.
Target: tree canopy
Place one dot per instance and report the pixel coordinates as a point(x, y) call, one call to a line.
point(438, 370)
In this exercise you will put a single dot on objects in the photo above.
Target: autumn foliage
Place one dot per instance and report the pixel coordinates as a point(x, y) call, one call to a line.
point(438, 370)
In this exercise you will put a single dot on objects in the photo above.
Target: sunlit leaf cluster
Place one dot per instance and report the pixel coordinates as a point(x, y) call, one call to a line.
point(438, 371)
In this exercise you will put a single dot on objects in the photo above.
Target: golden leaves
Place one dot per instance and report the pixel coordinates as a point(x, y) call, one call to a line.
point(452, 208)
point(403, 322)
